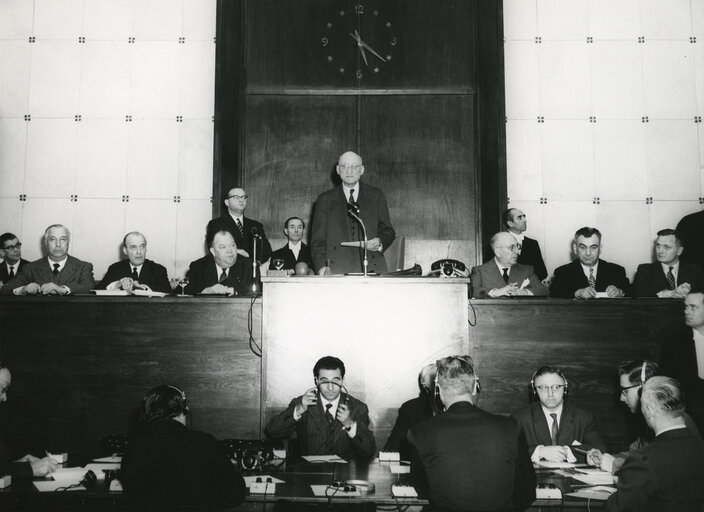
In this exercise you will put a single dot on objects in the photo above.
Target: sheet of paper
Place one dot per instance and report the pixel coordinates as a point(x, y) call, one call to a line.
point(324, 458)
point(399, 468)
point(556, 465)
point(601, 478)
point(51, 486)
point(249, 480)
point(148, 293)
point(326, 490)
point(114, 458)
point(111, 293)
point(352, 244)
point(101, 466)
point(599, 492)
point(71, 475)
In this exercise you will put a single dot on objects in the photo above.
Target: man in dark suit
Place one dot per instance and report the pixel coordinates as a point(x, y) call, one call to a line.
point(529, 250)
point(667, 475)
point(326, 420)
point(502, 276)
point(295, 251)
point(222, 272)
point(670, 277)
point(333, 223)
point(12, 248)
point(691, 228)
point(58, 274)
point(682, 355)
point(551, 424)
point(136, 272)
point(588, 275)
point(246, 232)
point(170, 467)
point(464, 436)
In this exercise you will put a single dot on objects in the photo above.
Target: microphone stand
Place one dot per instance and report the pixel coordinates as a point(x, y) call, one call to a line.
point(255, 236)
point(351, 211)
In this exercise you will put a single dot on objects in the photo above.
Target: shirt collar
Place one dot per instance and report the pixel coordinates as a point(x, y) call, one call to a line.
point(519, 238)
point(547, 413)
point(235, 217)
point(585, 268)
point(346, 189)
point(502, 267)
point(294, 246)
point(61, 263)
point(675, 267)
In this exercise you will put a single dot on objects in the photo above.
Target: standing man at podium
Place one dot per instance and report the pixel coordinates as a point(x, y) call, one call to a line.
point(333, 223)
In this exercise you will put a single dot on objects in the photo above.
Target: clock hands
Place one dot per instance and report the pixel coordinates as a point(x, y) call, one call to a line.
point(362, 45)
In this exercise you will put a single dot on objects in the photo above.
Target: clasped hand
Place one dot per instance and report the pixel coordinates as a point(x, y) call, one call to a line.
point(128, 284)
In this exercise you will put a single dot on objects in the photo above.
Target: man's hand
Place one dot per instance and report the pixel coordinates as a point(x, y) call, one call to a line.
point(28, 289)
point(678, 293)
point(53, 289)
point(28, 458)
point(374, 244)
point(594, 457)
point(218, 289)
point(308, 399)
point(126, 283)
point(325, 271)
point(613, 291)
point(242, 252)
point(553, 453)
point(585, 293)
point(523, 292)
point(43, 467)
point(607, 462)
point(343, 415)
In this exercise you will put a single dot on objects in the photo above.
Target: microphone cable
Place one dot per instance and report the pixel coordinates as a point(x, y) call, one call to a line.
point(253, 345)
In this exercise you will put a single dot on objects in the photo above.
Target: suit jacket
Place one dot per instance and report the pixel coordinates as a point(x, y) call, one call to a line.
point(317, 437)
point(650, 278)
point(152, 274)
point(486, 277)
point(332, 225)
point(691, 228)
point(227, 223)
point(576, 424)
point(678, 360)
point(76, 274)
point(411, 413)
point(9, 451)
point(3, 270)
point(531, 255)
point(570, 278)
point(464, 437)
point(202, 274)
point(665, 476)
point(290, 260)
point(170, 467)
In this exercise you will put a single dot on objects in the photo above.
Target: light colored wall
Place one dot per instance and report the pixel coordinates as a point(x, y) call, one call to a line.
point(618, 159)
point(153, 159)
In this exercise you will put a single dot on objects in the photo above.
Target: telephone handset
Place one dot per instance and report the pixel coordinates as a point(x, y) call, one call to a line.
point(449, 268)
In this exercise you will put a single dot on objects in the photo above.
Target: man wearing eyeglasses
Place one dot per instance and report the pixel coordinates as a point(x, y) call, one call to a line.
point(57, 274)
point(503, 276)
point(551, 424)
point(12, 247)
point(244, 230)
point(334, 223)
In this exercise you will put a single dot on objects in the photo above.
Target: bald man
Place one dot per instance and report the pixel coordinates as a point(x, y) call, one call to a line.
point(332, 223)
point(503, 276)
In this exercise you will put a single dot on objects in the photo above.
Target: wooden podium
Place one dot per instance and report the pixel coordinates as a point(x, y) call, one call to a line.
point(384, 329)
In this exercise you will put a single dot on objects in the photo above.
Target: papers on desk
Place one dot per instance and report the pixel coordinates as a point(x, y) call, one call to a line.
point(600, 478)
point(148, 293)
point(70, 475)
point(324, 458)
point(399, 468)
point(52, 485)
point(99, 468)
point(557, 465)
point(111, 293)
point(249, 480)
point(599, 492)
point(327, 490)
point(112, 459)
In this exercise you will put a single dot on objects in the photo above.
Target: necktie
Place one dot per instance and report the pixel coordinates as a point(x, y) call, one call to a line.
point(592, 279)
point(11, 274)
point(223, 276)
point(56, 269)
point(135, 277)
point(553, 430)
point(670, 279)
point(328, 415)
point(239, 227)
point(505, 270)
point(351, 200)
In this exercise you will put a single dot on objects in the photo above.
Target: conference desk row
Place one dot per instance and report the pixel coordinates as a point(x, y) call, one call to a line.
point(82, 364)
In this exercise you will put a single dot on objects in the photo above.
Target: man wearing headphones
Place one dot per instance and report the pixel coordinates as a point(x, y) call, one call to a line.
point(171, 467)
point(462, 436)
point(326, 420)
point(551, 424)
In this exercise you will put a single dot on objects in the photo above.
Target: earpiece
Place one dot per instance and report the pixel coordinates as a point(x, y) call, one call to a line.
point(541, 371)
point(642, 373)
point(164, 402)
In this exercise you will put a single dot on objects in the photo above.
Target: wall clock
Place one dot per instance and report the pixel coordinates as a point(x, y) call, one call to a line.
point(359, 41)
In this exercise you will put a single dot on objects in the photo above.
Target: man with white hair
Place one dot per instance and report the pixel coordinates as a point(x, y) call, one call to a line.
point(668, 474)
point(57, 274)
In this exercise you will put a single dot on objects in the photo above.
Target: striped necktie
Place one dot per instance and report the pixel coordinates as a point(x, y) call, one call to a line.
point(592, 279)
point(671, 285)
point(240, 228)
point(553, 429)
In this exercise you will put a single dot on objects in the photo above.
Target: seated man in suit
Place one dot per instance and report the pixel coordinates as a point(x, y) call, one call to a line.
point(58, 274)
point(588, 274)
point(682, 355)
point(552, 424)
point(12, 249)
point(170, 467)
point(465, 436)
point(221, 272)
point(136, 272)
point(667, 475)
point(326, 420)
point(503, 276)
point(529, 250)
point(295, 251)
point(691, 227)
point(246, 232)
point(670, 277)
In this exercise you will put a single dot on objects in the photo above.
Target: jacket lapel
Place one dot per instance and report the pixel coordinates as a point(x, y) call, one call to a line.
point(540, 426)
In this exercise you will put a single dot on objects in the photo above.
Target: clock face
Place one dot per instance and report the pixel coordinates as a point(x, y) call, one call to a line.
point(358, 42)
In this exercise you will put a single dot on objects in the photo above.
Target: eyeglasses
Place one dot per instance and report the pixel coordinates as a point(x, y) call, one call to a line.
point(623, 390)
point(12, 247)
point(512, 248)
point(554, 388)
point(244, 198)
point(349, 166)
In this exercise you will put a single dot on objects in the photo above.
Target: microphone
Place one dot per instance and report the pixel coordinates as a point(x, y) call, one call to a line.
point(353, 208)
point(255, 232)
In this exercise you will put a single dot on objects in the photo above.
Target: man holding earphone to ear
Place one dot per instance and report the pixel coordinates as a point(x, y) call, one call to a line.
point(326, 419)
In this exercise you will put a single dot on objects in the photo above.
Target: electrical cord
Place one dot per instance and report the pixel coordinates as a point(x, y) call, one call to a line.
point(253, 345)
point(474, 314)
